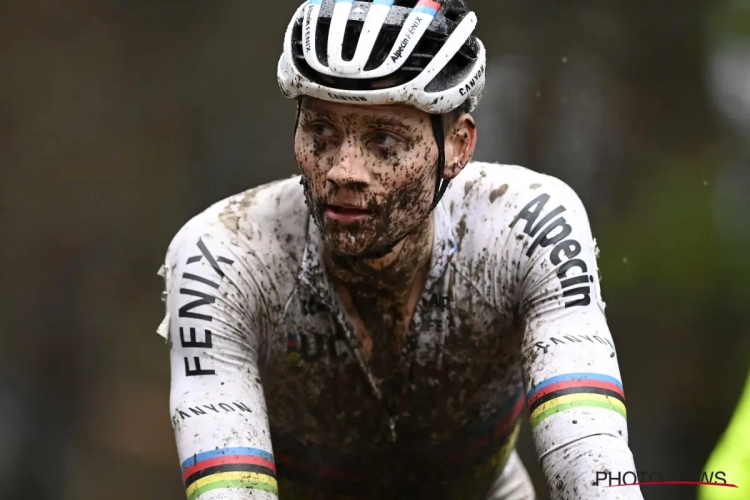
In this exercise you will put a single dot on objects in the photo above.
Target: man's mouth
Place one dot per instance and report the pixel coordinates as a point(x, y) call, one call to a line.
point(346, 214)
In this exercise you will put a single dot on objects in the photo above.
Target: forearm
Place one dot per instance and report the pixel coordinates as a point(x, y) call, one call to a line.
point(223, 443)
point(590, 467)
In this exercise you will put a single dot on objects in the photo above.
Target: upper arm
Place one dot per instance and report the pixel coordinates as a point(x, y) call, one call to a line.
point(216, 327)
point(568, 349)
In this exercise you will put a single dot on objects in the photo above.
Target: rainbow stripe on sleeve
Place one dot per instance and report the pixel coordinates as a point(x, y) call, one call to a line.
point(229, 468)
point(574, 390)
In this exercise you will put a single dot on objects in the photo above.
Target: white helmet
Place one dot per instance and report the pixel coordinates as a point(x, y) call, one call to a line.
point(420, 53)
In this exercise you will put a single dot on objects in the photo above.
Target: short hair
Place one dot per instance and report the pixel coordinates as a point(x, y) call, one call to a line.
point(450, 118)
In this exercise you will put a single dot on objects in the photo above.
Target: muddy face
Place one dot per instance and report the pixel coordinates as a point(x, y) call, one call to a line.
point(369, 172)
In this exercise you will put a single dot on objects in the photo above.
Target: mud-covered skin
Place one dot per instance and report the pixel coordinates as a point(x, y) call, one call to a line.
point(489, 325)
point(383, 158)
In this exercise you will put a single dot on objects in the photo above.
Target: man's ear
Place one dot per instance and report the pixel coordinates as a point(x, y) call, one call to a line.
point(460, 142)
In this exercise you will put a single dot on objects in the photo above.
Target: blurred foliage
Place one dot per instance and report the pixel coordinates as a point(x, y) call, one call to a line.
point(119, 121)
point(729, 19)
point(668, 239)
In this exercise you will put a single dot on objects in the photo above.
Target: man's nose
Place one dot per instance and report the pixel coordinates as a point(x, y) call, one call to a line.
point(349, 166)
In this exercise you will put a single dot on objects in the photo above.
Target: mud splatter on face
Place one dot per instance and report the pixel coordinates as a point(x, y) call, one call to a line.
point(382, 159)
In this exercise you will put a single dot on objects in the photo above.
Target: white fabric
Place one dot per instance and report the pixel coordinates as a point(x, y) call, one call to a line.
point(259, 340)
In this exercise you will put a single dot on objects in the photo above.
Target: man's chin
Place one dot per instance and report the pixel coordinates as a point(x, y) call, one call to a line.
point(347, 250)
point(346, 245)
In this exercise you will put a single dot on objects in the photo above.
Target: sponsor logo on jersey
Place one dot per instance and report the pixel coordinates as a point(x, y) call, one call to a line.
point(441, 302)
point(210, 409)
point(192, 337)
point(553, 229)
point(574, 339)
point(312, 347)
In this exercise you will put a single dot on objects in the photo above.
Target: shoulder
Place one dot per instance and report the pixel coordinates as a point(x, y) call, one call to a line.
point(268, 221)
point(487, 184)
point(501, 194)
point(525, 227)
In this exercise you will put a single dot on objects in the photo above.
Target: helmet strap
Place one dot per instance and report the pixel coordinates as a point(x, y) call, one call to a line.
point(441, 185)
point(299, 111)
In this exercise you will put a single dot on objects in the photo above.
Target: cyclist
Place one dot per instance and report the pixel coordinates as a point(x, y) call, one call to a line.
point(377, 332)
point(732, 454)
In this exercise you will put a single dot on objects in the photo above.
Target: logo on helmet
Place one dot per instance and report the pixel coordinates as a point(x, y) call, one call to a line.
point(473, 82)
point(347, 97)
point(399, 52)
point(308, 19)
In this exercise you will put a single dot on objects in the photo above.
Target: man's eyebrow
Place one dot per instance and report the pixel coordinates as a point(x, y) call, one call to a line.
point(318, 113)
point(386, 120)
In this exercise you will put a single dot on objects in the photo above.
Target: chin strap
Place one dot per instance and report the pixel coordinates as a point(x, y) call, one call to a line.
point(441, 185)
point(299, 111)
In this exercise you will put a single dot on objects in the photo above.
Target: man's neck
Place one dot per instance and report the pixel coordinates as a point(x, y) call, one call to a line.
point(391, 276)
point(382, 294)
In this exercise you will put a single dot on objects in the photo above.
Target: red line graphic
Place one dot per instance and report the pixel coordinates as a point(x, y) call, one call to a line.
point(655, 483)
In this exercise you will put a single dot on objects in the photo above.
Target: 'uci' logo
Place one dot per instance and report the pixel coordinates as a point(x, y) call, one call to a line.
point(312, 347)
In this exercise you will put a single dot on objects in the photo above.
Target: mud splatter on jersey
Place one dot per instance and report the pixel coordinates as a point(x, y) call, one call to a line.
point(273, 395)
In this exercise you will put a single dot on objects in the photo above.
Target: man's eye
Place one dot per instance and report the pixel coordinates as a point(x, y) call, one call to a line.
point(321, 130)
point(385, 140)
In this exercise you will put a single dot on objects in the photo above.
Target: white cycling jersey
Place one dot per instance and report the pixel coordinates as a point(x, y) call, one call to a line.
point(273, 393)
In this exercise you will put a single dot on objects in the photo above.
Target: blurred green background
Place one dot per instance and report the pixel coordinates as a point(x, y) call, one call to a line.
point(121, 120)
